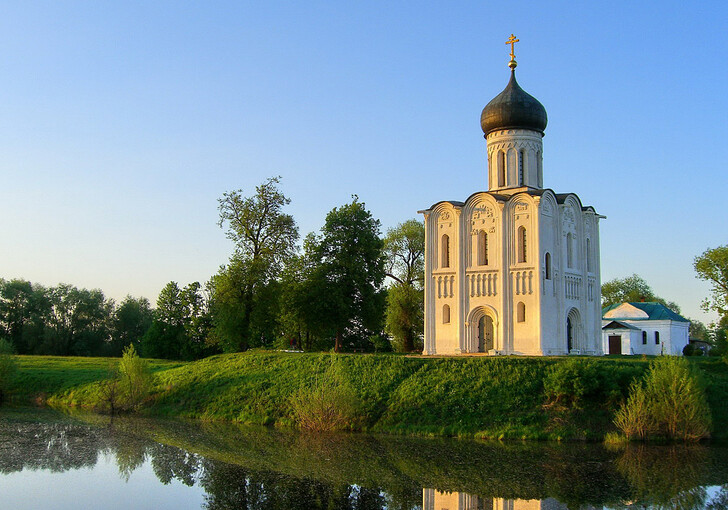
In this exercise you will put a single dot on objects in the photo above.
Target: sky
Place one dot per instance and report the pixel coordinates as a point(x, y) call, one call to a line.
point(122, 123)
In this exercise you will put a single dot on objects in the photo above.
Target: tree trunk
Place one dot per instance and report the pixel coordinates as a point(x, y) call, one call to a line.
point(337, 345)
point(409, 342)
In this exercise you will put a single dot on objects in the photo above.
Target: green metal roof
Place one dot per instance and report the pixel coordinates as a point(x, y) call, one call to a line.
point(655, 311)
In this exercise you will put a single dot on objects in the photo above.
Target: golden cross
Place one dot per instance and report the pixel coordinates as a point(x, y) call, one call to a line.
point(512, 41)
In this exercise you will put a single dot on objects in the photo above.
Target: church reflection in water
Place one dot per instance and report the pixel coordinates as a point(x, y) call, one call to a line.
point(435, 500)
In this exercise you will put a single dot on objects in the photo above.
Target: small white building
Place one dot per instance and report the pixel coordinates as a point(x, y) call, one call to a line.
point(643, 328)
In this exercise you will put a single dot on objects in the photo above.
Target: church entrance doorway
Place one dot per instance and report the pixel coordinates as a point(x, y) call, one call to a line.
point(573, 332)
point(615, 344)
point(485, 333)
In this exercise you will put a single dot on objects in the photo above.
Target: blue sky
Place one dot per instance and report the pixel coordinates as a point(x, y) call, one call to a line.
point(121, 123)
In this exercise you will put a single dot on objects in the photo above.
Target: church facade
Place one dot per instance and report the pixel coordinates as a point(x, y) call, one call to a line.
point(514, 269)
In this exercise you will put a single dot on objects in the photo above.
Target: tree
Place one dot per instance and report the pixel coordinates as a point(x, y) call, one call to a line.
point(712, 266)
point(181, 324)
point(404, 249)
point(135, 377)
point(265, 238)
point(130, 321)
point(405, 315)
point(24, 309)
point(78, 323)
point(632, 289)
point(345, 286)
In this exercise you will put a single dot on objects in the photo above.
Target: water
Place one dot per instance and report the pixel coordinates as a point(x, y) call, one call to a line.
point(54, 461)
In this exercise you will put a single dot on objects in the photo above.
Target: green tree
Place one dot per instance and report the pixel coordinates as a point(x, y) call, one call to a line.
point(78, 323)
point(131, 320)
point(345, 286)
point(135, 377)
point(24, 310)
point(243, 291)
point(181, 324)
point(712, 266)
point(632, 289)
point(404, 249)
point(7, 367)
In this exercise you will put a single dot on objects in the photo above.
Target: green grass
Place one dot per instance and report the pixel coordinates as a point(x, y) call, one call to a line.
point(488, 397)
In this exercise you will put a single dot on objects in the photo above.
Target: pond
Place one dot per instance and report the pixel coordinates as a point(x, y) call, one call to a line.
point(50, 460)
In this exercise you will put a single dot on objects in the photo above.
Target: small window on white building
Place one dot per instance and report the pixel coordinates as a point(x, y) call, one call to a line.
point(588, 256)
point(521, 312)
point(569, 250)
point(445, 314)
point(657, 338)
point(521, 244)
point(521, 161)
point(644, 338)
point(547, 265)
point(445, 247)
point(482, 248)
point(501, 169)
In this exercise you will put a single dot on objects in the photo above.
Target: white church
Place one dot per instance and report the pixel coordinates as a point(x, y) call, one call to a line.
point(515, 269)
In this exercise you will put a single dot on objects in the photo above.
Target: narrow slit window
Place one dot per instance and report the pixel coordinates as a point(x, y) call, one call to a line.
point(657, 338)
point(445, 250)
point(521, 244)
point(569, 250)
point(644, 338)
point(588, 256)
point(521, 158)
point(446, 314)
point(482, 248)
point(547, 265)
point(501, 168)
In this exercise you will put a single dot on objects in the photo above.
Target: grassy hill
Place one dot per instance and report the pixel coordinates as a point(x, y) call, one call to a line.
point(489, 397)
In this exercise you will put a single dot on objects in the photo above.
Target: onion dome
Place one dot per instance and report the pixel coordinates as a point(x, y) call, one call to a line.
point(514, 108)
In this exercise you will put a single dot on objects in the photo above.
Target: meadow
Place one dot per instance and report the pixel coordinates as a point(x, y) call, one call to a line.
point(487, 397)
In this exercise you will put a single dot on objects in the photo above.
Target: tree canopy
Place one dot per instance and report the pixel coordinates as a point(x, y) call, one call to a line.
point(712, 266)
point(404, 249)
point(345, 284)
point(632, 289)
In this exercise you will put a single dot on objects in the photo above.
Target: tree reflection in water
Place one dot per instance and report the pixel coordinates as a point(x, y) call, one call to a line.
point(248, 468)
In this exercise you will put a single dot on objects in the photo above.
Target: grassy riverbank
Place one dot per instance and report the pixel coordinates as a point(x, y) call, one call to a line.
point(504, 397)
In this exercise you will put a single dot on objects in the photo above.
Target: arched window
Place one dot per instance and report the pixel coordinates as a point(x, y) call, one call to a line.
point(569, 250)
point(521, 244)
point(482, 248)
point(644, 338)
point(521, 312)
point(588, 256)
point(547, 265)
point(657, 338)
point(521, 161)
point(445, 314)
point(445, 248)
point(501, 168)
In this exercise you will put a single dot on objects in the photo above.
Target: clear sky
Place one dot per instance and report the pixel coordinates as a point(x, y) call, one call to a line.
point(122, 123)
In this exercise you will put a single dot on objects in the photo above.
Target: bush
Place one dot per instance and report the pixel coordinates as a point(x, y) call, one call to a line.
point(635, 419)
point(7, 367)
point(135, 379)
point(573, 382)
point(329, 403)
point(670, 403)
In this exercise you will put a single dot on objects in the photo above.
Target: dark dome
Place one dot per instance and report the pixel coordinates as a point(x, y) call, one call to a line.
point(513, 108)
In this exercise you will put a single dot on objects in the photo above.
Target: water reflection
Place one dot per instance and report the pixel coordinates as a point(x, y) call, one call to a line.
point(252, 468)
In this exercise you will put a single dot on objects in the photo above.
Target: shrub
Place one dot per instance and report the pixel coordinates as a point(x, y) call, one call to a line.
point(670, 402)
point(329, 403)
point(635, 418)
point(7, 367)
point(135, 378)
point(573, 382)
